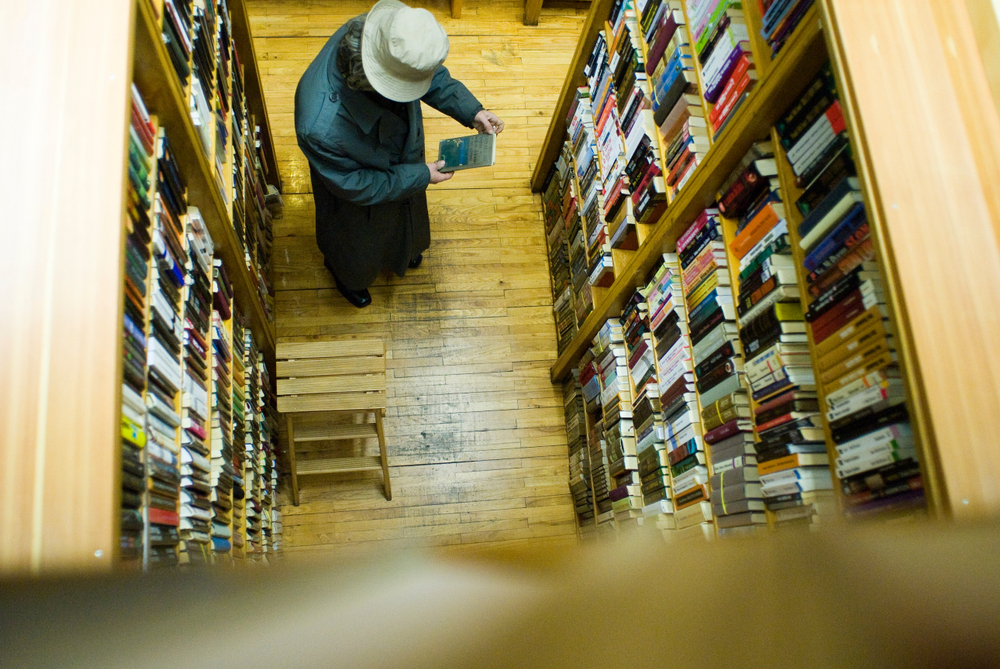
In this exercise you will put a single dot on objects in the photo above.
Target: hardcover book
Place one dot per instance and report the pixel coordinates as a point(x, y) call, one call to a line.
point(463, 153)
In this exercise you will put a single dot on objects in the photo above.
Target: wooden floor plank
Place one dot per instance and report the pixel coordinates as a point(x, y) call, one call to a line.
point(475, 432)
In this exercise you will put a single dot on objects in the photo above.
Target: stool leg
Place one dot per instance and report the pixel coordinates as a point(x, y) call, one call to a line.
point(291, 459)
point(381, 447)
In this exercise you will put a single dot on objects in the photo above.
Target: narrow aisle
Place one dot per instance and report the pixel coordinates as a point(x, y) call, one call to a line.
point(475, 429)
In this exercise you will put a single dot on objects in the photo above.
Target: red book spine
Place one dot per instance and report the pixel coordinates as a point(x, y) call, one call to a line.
point(163, 517)
point(729, 94)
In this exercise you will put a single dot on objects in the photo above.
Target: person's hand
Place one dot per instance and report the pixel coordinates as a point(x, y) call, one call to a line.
point(436, 175)
point(487, 123)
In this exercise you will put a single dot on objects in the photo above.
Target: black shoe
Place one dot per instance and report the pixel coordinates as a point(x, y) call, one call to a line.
point(415, 263)
point(359, 298)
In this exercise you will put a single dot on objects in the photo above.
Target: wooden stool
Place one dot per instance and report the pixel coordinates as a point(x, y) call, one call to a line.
point(333, 377)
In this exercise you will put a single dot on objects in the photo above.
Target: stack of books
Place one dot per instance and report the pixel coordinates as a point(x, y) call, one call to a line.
point(650, 429)
point(579, 456)
point(720, 41)
point(253, 464)
point(556, 232)
point(647, 192)
point(223, 104)
point(277, 529)
point(237, 459)
point(204, 57)
point(616, 410)
point(195, 455)
point(716, 355)
point(779, 18)
point(610, 156)
point(224, 382)
point(582, 199)
point(164, 355)
point(141, 166)
point(678, 111)
point(590, 383)
point(177, 36)
point(858, 371)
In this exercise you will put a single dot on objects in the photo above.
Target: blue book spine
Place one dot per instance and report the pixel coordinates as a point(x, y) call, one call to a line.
point(854, 220)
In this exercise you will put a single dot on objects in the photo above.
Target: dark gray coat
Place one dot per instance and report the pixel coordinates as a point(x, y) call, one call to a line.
point(368, 170)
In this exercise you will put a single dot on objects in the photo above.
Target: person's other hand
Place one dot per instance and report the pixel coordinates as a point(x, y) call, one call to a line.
point(487, 123)
point(436, 175)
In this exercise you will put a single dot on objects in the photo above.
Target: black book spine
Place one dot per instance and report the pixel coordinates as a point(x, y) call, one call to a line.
point(893, 414)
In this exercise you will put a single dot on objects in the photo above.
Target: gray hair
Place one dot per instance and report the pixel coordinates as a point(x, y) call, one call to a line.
point(349, 56)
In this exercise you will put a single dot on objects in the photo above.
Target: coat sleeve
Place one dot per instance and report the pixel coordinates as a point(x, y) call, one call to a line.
point(364, 186)
point(450, 96)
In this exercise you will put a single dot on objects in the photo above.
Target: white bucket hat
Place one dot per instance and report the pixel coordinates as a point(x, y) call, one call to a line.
point(400, 49)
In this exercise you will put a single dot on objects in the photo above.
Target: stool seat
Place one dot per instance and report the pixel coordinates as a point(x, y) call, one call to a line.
point(333, 377)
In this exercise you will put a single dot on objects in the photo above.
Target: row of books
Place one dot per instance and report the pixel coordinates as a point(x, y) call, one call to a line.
point(725, 328)
point(178, 396)
point(857, 367)
point(199, 42)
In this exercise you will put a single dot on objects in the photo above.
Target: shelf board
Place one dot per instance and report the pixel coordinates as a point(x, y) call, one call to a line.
point(797, 63)
point(154, 74)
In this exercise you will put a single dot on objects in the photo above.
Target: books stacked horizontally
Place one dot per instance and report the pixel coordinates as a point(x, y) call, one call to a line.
point(223, 105)
point(259, 228)
point(269, 453)
point(223, 384)
point(721, 45)
point(705, 281)
point(277, 529)
point(672, 393)
point(239, 134)
point(616, 403)
point(579, 460)
point(196, 507)
point(164, 357)
point(779, 18)
point(141, 166)
point(648, 197)
point(590, 383)
point(678, 111)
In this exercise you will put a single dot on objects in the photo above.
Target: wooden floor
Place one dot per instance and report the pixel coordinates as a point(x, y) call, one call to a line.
point(476, 435)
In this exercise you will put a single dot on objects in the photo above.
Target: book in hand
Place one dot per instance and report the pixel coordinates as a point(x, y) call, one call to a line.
point(463, 153)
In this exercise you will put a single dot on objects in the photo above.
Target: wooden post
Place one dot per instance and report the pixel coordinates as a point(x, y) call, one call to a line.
point(456, 9)
point(290, 428)
point(532, 8)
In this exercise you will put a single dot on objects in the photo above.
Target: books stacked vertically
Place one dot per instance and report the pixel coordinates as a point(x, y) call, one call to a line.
point(779, 18)
point(678, 112)
point(590, 383)
point(857, 367)
point(610, 156)
point(222, 398)
point(269, 453)
point(558, 251)
point(203, 52)
point(223, 105)
point(647, 191)
point(579, 456)
point(737, 500)
point(239, 135)
point(253, 466)
point(224, 380)
point(654, 472)
point(195, 454)
point(164, 356)
point(722, 47)
point(141, 176)
point(237, 459)
point(582, 200)
point(716, 353)
point(616, 410)
point(177, 36)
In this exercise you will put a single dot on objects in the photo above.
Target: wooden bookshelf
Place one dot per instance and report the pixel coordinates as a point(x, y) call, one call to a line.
point(799, 61)
point(155, 77)
point(925, 136)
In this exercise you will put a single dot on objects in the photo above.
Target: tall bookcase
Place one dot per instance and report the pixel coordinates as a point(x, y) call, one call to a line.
point(924, 135)
point(77, 66)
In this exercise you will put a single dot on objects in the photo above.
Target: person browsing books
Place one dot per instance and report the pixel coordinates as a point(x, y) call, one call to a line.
point(358, 122)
